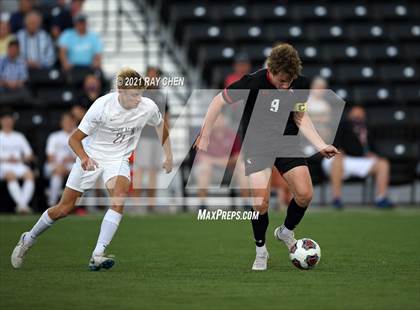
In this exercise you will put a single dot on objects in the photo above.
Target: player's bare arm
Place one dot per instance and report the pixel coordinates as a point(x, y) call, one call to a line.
point(75, 142)
point(163, 133)
point(212, 113)
point(304, 122)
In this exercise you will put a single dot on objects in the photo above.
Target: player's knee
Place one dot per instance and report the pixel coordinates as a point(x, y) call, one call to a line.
point(261, 206)
point(28, 175)
point(9, 176)
point(303, 197)
point(118, 208)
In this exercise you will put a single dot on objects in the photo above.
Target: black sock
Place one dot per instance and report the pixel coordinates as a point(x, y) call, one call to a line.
point(294, 215)
point(259, 227)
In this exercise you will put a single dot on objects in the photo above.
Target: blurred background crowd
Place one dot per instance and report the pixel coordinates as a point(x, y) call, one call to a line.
point(58, 56)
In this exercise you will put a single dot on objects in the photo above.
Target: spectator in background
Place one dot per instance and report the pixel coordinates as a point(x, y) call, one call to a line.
point(15, 153)
point(17, 18)
point(241, 66)
point(62, 16)
point(223, 151)
point(356, 159)
point(92, 90)
point(5, 37)
point(60, 157)
point(148, 161)
point(36, 45)
point(80, 47)
point(78, 111)
point(13, 70)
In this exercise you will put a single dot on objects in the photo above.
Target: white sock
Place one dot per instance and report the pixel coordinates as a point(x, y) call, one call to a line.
point(15, 192)
point(27, 191)
point(286, 231)
point(43, 224)
point(55, 186)
point(261, 250)
point(109, 227)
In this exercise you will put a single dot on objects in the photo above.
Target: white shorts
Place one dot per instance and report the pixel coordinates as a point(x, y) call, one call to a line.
point(18, 169)
point(353, 166)
point(81, 180)
point(149, 154)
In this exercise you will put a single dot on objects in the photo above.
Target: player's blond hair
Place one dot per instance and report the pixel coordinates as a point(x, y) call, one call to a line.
point(128, 78)
point(284, 58)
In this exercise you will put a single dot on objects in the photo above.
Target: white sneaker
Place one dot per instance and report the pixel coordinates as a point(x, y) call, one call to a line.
point(19, 252)
point(23, 210)
point(97, 262)
point(261, 259)
point(288, 238)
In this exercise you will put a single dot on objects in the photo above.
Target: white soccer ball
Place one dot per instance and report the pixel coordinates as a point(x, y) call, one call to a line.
point(305, 254)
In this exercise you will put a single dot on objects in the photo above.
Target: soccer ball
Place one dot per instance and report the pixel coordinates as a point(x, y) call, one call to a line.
point(305, 254)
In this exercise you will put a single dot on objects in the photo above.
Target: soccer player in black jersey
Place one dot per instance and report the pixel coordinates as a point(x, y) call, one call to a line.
point(261, 142)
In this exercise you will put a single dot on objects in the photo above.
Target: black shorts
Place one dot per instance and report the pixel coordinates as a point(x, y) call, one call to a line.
point(257, 163)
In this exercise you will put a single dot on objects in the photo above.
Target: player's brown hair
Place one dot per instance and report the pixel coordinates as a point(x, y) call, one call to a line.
point(284, 58)
point(128, 78)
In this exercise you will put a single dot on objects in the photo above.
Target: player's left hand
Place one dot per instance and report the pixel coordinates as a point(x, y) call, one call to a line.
point(329, 151)
point(167, 164)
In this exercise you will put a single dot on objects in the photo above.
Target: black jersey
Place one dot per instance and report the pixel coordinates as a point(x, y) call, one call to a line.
point(259, 94)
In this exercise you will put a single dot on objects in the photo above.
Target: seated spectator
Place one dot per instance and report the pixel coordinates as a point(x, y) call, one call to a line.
point(78, 111)
point(17, 18)
point(35, 44)
point(92, 90)
point(13, 70)
point(148, 161)
point(80, 47)
point(241, 66)
point(356, 159)
point(60, 157)
point(15, 153)
point(5, 37)
point(62, 16)
point(223, 151)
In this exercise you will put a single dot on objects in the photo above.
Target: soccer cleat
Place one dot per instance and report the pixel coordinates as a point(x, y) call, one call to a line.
point(287, 238)
point(98, 262)
point(19, 252)
point(384, 203)
point(337, 204)
point(261, 259)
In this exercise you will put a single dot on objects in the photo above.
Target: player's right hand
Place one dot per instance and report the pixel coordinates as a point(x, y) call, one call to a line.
point(88, 164)
point(201, 143)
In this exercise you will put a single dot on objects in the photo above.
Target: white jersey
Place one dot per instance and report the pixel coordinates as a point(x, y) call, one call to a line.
point(14, 145)
point(58, 146)
point(113, 131)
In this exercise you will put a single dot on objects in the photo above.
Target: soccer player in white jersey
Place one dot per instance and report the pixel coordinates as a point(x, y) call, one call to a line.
point(60, 157)
point(15, 153)
point(103, 142)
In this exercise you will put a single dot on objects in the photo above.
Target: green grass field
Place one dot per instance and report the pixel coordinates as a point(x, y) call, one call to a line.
point(370, 260)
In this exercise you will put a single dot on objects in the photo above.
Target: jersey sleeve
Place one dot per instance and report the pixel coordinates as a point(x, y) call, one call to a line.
point(49, 150)
point(301, 94)
point(26, 148)
point(237, 91)
point(92, 118)
point(155, 116)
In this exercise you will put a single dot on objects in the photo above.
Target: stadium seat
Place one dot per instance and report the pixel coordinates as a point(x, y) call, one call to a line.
point(396, 73)
point(373, 94)
point(384, 52)
point(46, 77)
point(408, 93)
point(327, 32)
point(368, 32)
point(286, 32)
point(352, 12)
point(357, 73)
